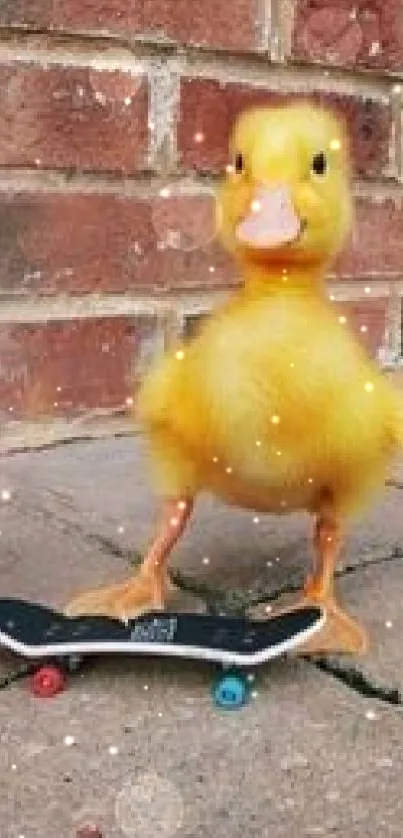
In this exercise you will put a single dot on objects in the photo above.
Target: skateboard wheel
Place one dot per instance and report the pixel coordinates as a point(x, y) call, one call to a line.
point(48, 681)
point(230, 691)
point(88, 832)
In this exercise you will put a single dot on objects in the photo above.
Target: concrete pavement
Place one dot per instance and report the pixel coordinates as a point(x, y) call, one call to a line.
point(136, 746)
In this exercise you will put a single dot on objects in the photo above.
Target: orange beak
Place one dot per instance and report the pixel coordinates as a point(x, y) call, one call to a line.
point(272, 220)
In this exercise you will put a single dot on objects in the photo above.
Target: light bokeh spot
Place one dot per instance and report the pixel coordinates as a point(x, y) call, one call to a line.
point(148, 807)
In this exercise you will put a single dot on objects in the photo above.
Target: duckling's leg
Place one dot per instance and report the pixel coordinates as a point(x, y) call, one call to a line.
point(148, 588)
point(340, 633)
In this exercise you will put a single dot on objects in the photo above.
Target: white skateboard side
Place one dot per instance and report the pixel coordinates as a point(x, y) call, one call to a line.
point(161, 649)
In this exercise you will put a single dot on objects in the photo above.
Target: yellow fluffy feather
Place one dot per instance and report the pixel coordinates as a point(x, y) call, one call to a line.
point(275, 401)
point(274, 406)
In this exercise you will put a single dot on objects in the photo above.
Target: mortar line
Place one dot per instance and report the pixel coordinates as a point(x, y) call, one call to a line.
point(39, 309)
point(147, 184)
point(236, 65)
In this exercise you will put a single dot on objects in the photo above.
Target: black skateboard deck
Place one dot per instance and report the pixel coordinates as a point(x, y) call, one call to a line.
point(37, 633)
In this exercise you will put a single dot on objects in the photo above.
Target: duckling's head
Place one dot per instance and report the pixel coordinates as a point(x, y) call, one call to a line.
point(286, 197)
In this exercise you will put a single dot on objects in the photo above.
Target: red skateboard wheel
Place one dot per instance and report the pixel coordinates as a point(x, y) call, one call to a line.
point(48, 681)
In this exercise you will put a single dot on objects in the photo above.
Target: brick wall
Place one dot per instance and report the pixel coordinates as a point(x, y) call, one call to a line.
point(114, 118)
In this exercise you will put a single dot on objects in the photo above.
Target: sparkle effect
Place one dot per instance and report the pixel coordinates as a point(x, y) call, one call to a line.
point(150, 806)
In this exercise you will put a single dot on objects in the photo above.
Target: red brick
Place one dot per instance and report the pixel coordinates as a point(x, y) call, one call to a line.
point(72, 118)
point(74, 15)
point(376, 248)
point(213, 23)
point(61, 368)
point(367, 320)
point(349, 33)
point(208, 109)
point(83, 243)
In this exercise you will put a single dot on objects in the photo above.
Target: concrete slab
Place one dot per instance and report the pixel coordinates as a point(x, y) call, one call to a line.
point(95, 498)
point(146, 753)
point(374, 595)
point(139, 750)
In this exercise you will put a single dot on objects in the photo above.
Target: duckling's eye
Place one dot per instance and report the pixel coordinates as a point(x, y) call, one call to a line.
point(319, 164)
point(239, 163)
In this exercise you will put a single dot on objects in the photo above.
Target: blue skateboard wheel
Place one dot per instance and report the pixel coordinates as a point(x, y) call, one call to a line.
point(230, 692)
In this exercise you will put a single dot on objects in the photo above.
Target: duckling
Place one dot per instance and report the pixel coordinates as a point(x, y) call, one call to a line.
point(274, 406)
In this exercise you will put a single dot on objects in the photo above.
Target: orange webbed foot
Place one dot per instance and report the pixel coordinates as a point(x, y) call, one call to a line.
point(341, 634)
point(122, 601)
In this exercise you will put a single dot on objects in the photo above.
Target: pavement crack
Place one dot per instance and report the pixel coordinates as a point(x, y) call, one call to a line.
point(12, 677)
point(393, 483)
point(238, 601)
point(396, 555)
point(73, 525)
point(111, 547)
point(356, 680)
point(78, 438)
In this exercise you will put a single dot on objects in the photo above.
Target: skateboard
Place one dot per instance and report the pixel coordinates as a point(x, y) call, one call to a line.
point(59, 644)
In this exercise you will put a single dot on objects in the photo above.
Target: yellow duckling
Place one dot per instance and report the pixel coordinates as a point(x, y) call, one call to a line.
point(274, 406)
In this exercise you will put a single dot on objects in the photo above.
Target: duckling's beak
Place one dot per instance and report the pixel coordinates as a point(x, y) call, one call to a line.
point(272, 220)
